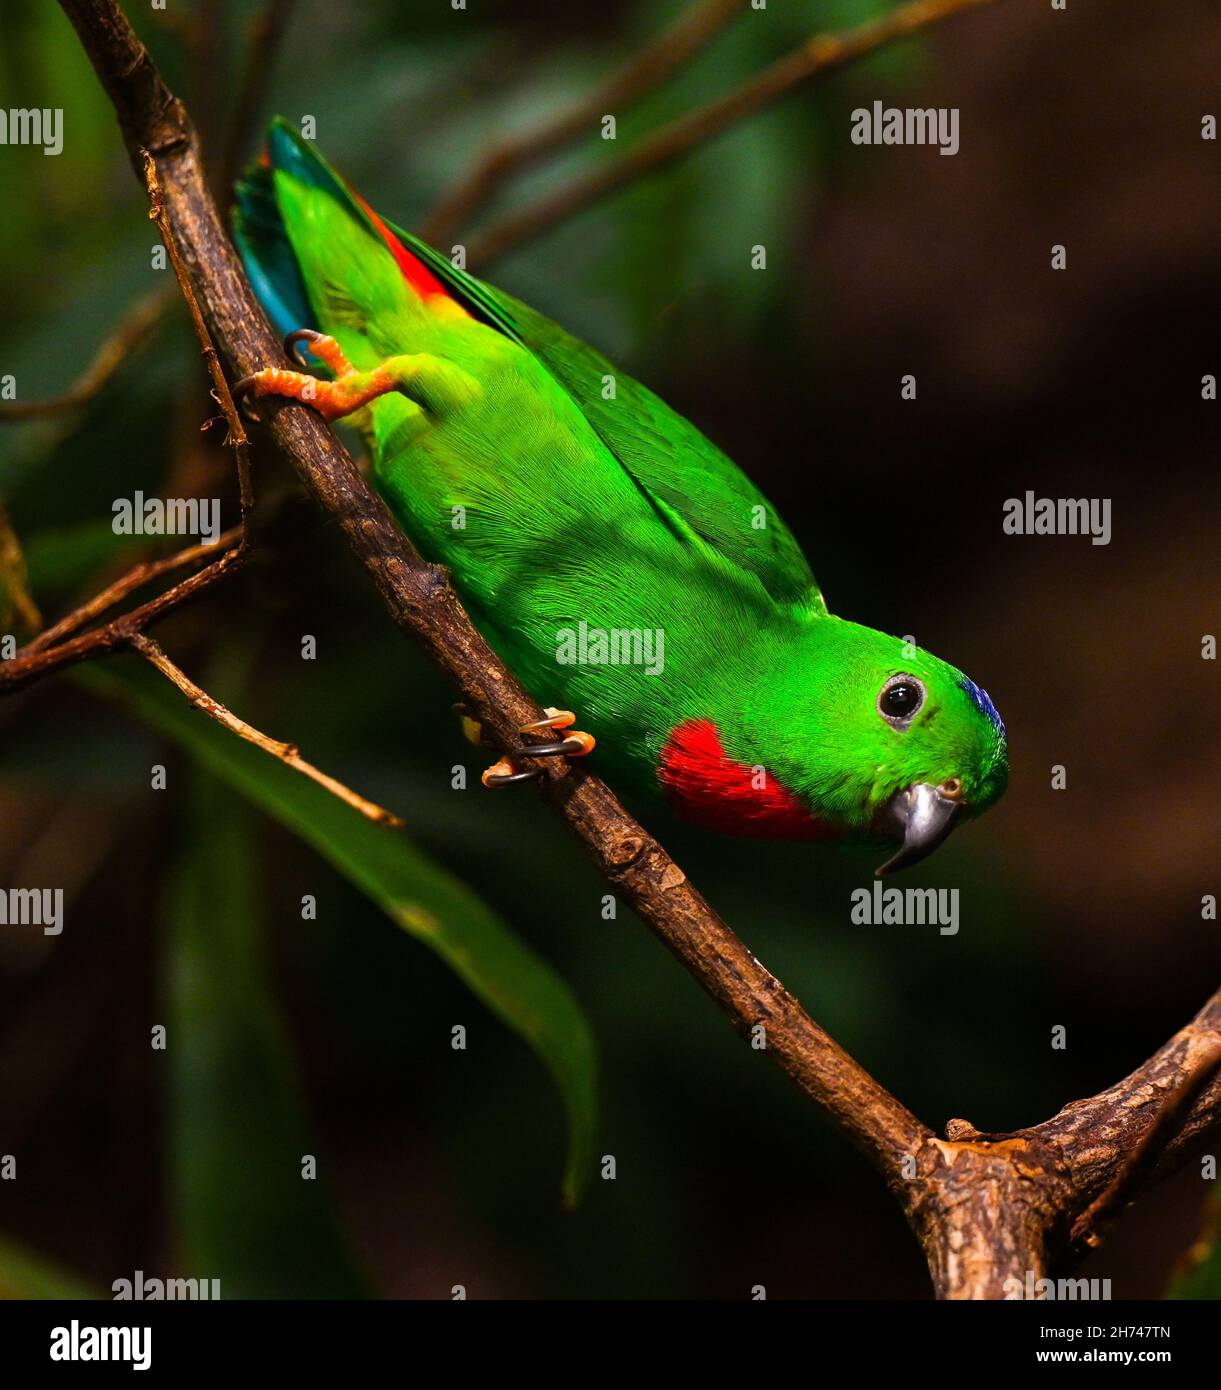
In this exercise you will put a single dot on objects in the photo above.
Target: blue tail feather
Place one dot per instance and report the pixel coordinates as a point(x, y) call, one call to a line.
point(268, 255)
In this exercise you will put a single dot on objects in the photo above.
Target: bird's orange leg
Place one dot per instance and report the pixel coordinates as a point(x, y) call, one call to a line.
point(432, 382)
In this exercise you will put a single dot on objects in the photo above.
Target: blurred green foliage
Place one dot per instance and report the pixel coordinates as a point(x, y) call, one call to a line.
point(431, 905)
point(236, 1098)
point(1199, 1276)
point(25, 1275)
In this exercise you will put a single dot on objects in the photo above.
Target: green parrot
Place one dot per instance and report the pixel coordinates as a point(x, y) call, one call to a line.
point(617, 561)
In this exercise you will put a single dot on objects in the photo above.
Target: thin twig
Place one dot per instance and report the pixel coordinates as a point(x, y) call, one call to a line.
point(695, 27)
point(237, 430)
point(135, 578)
point(39, 658)
point(820, 55)
point(286, 753)
point(266, 36)
point(14, 592)
point(29, 665)
point(138, 324)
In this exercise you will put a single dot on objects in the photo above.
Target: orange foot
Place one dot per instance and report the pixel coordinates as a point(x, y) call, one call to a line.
point(432, 382)
point(509, 768)
point(332, 399)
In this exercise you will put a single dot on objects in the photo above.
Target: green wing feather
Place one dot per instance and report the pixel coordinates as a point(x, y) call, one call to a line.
point(697, 488)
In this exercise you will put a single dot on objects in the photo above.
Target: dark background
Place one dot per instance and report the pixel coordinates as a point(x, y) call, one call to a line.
point(1080, 907)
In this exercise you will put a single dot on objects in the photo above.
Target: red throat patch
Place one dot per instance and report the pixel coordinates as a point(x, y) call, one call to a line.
point(707, 787)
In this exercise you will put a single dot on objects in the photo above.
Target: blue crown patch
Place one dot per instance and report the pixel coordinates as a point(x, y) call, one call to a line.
point(979, 698)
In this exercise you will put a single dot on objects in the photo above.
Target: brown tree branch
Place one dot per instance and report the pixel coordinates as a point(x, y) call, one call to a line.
point(1198, 1069)
point(991, 1207)
point(986, 1208)
point(818, 56)
point(1098, 1135)
point(695, 27)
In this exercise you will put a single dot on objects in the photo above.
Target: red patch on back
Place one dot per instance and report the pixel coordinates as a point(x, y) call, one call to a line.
point(415, 272)
point(706, 786)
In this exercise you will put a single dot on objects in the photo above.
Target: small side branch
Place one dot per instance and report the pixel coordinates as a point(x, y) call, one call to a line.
point(694, 28)
point(135, 578)
point(35, 661)
point(15, 598)
point(286, 753)
point(266, 37)
point(1121, 1141)
point(58, 647)
point(817, 57)
point(137, 326)
point(989, 1208)
point(220, 387)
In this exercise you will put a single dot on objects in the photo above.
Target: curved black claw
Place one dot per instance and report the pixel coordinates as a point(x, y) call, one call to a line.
point(502, 779)
point(564, 747)
point(299, 335)
point(239, 391)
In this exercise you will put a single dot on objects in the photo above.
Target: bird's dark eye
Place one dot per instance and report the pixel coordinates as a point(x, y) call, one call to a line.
point(900, 700)
point(901, 697)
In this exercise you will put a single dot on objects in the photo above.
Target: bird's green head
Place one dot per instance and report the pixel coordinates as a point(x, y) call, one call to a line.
point(886, 741)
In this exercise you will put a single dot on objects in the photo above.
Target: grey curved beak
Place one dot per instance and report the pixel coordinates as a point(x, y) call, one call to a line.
point(921, 817)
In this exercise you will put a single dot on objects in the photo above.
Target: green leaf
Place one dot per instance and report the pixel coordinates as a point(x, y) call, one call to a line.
point(25, 1275)
point(424, 899)
point(60, 558)
point(238, 1123)
point(1199, 1276)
